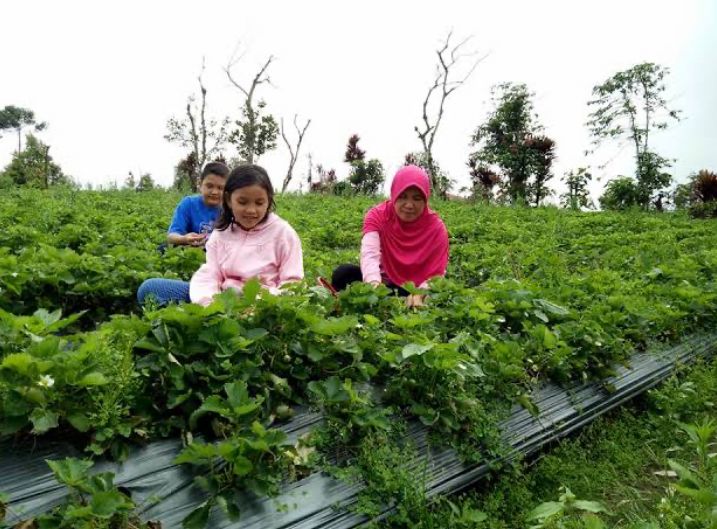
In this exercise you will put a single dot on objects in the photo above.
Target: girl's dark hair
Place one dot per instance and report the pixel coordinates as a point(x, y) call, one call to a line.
point(244, 176)
point(217, 168)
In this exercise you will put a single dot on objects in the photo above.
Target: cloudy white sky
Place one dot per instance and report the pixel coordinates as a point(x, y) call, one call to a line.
point(108, 75)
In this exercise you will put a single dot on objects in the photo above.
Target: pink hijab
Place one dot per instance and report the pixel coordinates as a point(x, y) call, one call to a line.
point(410, 251)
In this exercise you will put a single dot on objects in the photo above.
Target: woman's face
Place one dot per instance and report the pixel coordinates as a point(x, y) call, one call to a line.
point(410, 204)
point(249, 205)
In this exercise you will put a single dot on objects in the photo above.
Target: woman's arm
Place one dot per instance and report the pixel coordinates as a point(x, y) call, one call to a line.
point(371, 257)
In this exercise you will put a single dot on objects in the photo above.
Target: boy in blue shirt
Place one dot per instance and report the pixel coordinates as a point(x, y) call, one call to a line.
point(195, 215)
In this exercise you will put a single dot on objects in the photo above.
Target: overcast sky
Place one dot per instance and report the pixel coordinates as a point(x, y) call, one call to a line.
point(107, 76)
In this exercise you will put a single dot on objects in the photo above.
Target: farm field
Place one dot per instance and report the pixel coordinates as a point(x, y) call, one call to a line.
point(531, 295)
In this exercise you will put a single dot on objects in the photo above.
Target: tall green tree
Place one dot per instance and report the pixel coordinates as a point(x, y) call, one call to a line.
point(620, 193)
point(510, 143)
point(577, 195)
point(130, 182)
point(698, 194)
point(541, 150)
point(205, 138)
point(366, 176)
point(630, 106)
point(34, 167)
point(146, 182)
point(16, 118)
point(256, 132)
point(483, 180)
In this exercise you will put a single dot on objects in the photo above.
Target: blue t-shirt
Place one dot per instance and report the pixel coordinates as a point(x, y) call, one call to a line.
point(193, 216)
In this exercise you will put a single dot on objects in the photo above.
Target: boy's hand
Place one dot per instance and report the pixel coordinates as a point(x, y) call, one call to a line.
point(195, 239)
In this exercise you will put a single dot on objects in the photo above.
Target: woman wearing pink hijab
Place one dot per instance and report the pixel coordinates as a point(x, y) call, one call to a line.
point(403, 239)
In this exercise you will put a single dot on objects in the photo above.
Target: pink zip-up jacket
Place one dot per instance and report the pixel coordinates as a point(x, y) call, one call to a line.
point(271, 252)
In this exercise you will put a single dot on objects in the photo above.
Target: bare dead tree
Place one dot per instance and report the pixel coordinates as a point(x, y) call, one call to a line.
point(442, 87)
point(293, 154)
point(195, 131)
point(258, 133)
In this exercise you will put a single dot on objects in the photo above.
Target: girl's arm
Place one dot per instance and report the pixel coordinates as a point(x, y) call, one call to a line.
point(207, 281)
point(291, 260)
point(371, 257)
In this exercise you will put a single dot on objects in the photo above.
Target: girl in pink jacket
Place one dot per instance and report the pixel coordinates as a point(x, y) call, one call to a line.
point(248, 241)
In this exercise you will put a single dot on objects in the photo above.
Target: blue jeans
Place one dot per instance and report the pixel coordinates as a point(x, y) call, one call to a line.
point(163, 290)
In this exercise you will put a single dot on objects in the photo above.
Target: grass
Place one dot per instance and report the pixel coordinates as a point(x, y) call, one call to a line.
point(619, 460)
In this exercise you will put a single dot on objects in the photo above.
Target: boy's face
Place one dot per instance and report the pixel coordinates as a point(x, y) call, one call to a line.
point(212, 188)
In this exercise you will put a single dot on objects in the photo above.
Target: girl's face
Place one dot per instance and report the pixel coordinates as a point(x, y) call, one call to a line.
point(249, 205)
point(410, 204)
point(212, 188)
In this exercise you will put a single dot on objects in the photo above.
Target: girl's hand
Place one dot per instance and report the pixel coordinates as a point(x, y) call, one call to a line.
point(414, 300)
point(374, 284)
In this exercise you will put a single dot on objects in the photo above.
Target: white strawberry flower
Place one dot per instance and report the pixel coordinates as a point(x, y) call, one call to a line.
point(46, 381)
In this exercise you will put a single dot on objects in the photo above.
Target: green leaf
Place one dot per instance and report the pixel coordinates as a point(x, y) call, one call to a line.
point(472, 516)
point(703, 495)
point(315, 354)
point(526, 401)
point(241, 465)
point(551, 308)
point(258, 429)
point(43, 420)
point(593, 522)
point(106, 503)
point(65, 322)
point(228, 505)
point(334, 326)
point(541, 315)
point(237, 393)
point(197, 453)
point(413, 349)
point(79, 421)
point(256, 334)
point(70, 471)
point(251, 290)
point(213, 404)
point(67, 277)
point(589, 506)
point(48, 318)
point(92, 379)
point(686, 476)
point(198, 518)
point(102, 482)
point(246, 409)
point(549, 339)
point(18, 362)
point(546, 510)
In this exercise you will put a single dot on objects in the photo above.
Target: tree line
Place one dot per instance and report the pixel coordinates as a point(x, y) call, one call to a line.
point(510, 159)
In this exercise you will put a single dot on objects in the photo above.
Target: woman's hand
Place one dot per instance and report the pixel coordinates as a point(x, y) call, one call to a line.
point(415, 300)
